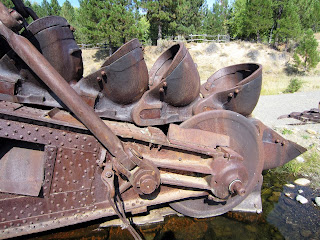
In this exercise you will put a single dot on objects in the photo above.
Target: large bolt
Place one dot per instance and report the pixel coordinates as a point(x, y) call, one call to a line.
point(147, 184)
point(237, 187)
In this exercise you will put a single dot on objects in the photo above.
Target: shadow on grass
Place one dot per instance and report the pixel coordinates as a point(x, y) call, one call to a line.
point(291, 70)
point(102, 54)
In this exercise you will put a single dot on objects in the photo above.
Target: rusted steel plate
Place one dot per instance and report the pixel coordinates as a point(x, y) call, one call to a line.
point(21, 171)
point(196, 138)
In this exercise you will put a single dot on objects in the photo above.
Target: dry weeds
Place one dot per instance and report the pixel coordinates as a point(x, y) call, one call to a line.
point(210, 57)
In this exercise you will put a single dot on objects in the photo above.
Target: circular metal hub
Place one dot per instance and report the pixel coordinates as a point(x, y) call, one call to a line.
point(244, 139)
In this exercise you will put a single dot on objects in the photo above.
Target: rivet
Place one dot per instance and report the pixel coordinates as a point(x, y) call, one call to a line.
point(56, 137)
point(89, 144)
point(42, 135)
point(14, 208)
point(35, 139)
point(35, 209)
point(22, 126)
point(63, 134)
point(21, 211)
point(81, 153)
point(70, 140)
point(16, 217)
point(8, 124)
point(82, 146)
point(28, 132)
point(50, 131)
point(77, 136)
point(62, 144)
point(6, 134)
point(95, 149)
point(29, 214)
point(15, 131)
point(37, 129)
point(73, 152)
point(79, 165)
point(42, 212)
point(21, 137)
point(24, 221)
point(85, 138)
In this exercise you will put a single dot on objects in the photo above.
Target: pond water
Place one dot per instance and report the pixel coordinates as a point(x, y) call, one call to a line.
point(282, 218)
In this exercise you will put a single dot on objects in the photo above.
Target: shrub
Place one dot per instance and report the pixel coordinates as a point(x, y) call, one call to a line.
point(306, 54)
point(294, 85)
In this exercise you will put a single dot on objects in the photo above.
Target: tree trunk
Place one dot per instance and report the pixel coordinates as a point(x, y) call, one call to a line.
point(271, 32)
point(159, 31)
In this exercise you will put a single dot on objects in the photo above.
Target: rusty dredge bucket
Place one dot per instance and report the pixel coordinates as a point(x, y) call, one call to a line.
point(122, 139)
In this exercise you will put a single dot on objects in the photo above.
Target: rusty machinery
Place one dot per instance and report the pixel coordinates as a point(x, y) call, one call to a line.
point(121, 139)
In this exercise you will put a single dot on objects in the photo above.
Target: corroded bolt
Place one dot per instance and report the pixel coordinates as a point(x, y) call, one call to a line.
point(165, 84)
point(237, 91)
point(277, 141)
point(103, 73)
point(109, 174)
point(237, 187)
point(161, 90)
point(230, 95)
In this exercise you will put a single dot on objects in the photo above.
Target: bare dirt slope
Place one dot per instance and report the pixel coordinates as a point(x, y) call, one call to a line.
point(210, 57)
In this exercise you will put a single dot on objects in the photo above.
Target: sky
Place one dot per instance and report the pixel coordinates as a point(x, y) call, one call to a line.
point(75, 3)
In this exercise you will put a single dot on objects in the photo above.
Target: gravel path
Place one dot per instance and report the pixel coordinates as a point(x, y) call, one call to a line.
point(270, 107)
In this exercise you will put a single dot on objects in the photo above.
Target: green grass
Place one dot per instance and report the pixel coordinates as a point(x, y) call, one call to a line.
point(310, 168)
point(286, 131)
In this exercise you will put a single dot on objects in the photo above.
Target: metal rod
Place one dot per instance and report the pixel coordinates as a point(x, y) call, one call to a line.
point(37, 62)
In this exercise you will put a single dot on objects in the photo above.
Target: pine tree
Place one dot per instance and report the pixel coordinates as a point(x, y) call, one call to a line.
point(237, 19)
point(258, 17)
point(67, 11)
point(307, 51)
point(189, 16)
point(288, 24)
point(7, 3)
point(215, 21)
point(160, 13)
point(55, 8)
point(112, 21)
point(309, 13)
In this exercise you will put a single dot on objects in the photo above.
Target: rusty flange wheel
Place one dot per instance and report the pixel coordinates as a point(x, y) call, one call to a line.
point(244, 139)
